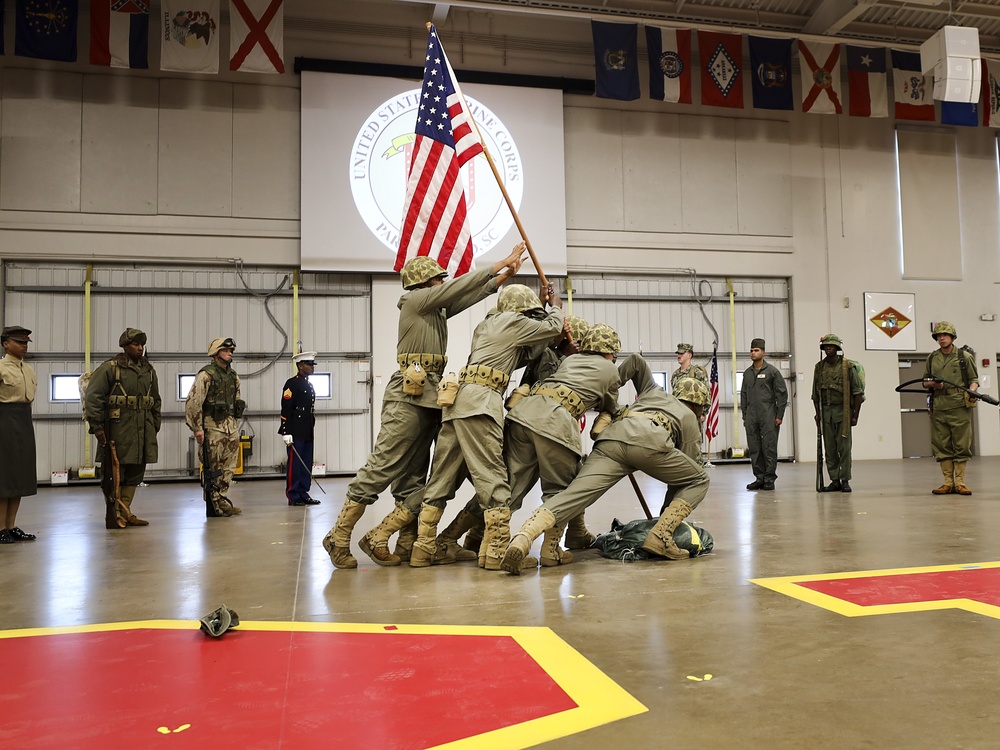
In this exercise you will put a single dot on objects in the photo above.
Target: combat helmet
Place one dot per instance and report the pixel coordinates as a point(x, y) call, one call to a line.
point(831, 339)
point(578, 327)
point(420, 270)
point(944, 327)
point(518, 298)
point(601, 339)
point(693, 391)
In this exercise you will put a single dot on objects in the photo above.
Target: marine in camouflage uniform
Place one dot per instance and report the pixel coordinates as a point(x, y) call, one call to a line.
point(470, 444)
point(213, 410)
point(122, 406)
point(410, 421)
point(836, 384)
point(951, 408)
point(685, 353)
point(763, 398)
point(657, 434)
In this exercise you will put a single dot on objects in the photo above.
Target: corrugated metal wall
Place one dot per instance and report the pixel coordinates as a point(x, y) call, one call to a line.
point(181, 310)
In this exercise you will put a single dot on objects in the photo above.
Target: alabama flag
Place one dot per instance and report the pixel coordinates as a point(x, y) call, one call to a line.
point(820, 66)
point(721, 69)
point(257, 36)
point(913, 90)
point(189, 36)
point(669, 64)
point(119, 33)
point(868, 95)
point(991, 93)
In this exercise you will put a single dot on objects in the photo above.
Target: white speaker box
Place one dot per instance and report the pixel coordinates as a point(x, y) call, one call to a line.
point(951, 55)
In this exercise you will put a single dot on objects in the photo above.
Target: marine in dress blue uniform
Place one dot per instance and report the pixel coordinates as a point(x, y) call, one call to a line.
point(298, 419)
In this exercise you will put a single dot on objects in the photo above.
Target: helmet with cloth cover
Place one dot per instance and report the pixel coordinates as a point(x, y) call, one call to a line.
point(518, 298)
point(693, 391)
point(601, 339)
point(944, 327)
point(420, 270)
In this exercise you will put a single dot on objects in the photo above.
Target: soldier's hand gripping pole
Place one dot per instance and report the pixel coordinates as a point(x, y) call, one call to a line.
point(307, 468)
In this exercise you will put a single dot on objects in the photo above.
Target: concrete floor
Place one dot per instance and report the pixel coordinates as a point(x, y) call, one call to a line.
point(785, 673)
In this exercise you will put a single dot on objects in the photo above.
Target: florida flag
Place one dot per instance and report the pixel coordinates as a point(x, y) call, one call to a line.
point(820, 66)
point(119, 33)
point(669, 64)
point(868, 95)
point(912, 89)
point(991, 93)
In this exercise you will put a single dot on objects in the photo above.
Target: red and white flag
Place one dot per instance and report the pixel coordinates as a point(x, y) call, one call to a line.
point(257, 36)
point(866, 78)
point(435, 216)
point(912, 90)
point(721, 69)
point(820, 66)
point(712, 418)
point(669, 53)
point(119, 33)
point(991, 93)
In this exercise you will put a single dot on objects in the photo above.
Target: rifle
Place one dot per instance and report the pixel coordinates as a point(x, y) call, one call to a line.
point(208, 476)
point(111, 485)
point(819, 445)
point(901, 388)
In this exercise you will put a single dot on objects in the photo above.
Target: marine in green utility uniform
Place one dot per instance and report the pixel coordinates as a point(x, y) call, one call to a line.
point(122, 407)
point(470, 445)
point(659, 434)
point(411, 415)
point(685, 353)
point(763, 398)
point(837, 394)
point(212, 412)
point(951, 408)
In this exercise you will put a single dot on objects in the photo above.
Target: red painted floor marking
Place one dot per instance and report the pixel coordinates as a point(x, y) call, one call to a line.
point(976, 584)
point(254, 689)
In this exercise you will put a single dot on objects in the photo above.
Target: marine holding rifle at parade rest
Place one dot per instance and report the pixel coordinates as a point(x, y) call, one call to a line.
point(122, 409)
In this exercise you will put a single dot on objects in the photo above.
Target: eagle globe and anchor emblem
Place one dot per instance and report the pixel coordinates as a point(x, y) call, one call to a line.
point(380, 165)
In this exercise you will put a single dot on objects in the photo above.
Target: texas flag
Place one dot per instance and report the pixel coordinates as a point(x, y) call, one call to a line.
point(991, 93)
point(868, 95)
point(913, 90)
point(721, 69)
point(257, 36)
point(820, 66)
point(119, 33)
point(669, 64)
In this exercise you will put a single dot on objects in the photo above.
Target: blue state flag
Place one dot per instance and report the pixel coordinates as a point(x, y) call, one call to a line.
point(771, 72)
point(616, 60)
point(959, 113)
point(46, 29)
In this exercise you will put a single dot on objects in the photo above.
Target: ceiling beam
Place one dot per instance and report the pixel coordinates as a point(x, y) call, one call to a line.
point(831, 16)
point(440, 13)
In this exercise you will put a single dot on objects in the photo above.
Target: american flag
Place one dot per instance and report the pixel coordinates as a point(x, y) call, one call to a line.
point(434, 212)
point(712, 420)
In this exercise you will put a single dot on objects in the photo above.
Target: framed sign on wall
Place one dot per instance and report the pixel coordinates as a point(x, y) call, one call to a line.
point(889, 321)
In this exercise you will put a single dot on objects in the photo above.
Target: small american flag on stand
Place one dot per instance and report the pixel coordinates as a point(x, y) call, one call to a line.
point(712, 420)
point(434, 211)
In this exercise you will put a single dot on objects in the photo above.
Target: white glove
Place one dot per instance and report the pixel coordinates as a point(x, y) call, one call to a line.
point(288, 439)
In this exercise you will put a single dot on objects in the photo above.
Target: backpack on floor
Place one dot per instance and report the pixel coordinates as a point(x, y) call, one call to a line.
point(624, 541)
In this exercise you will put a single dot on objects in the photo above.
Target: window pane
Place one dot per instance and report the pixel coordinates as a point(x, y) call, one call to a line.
point(322, 383)
point(66, 387)
point(184, 383)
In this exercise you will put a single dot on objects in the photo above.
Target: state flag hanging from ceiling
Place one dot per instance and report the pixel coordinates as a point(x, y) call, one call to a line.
point(46, 29)
point(616, 60)
point(669, 53)
point(257, 36)
point(771, 72)
point(721, 69)
point(912, 90)
point(960, 113)
point(820, 67)
point(991, 93)
point(189, 36)
point(119, 33)
point(868, 93)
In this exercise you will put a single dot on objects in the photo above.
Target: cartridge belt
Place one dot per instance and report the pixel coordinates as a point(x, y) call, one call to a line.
point(139, 403)
point(429, 362)
point(485, 375)
point(565, 396)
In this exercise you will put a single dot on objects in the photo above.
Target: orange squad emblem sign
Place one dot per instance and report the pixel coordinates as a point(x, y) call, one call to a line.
point(890, 321)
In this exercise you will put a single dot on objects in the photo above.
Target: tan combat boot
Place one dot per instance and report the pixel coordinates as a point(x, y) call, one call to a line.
point(474, 538)
point(660, 540)
point(578, 536)
point(947, 468)
point(337, 542)
point(375, 543)
point(227, 508)
point(496, 538)
point(515, 555)
point(404, 542)
point(960, 487)
point(448, 549)
point(128, 495)
point(552, 554)
point(425, 546)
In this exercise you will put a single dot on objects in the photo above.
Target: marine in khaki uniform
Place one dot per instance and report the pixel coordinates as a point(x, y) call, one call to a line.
point(470, 444)
point(648, 435)
point(837, 393)
point(951, 408)
point(18, 384)
point(411, 415)
point(213, 410)
point(123, 407)
point(685, 353)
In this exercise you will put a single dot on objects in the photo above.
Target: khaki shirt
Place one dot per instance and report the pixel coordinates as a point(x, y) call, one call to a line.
point(195, 401)
point(423, 326)
point(594, 379)
point(17, 381)
point(946, 366)
point(503, 341)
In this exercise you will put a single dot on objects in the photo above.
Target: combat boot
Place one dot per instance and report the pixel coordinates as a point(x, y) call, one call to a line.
point(448, 549)
point(660, 540)
point(375, 543)
point(578, 536)
point(227, 508)
point(947, 467)
point(474, 538)
point(128, 495)
point(552, 554)
point(425, 546)
point(541, 521)
point(960, 487)
point(404, 542)
point(496, 538)
point(337, 541)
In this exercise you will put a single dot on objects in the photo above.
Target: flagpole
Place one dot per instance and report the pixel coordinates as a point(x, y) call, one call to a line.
point(493, 166)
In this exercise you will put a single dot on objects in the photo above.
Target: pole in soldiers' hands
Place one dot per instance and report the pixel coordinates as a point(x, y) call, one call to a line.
point(549, 296)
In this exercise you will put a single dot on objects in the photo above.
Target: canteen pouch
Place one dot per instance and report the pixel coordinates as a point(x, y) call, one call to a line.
point(414, 379)
point(516, 395)
point(447, 390)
